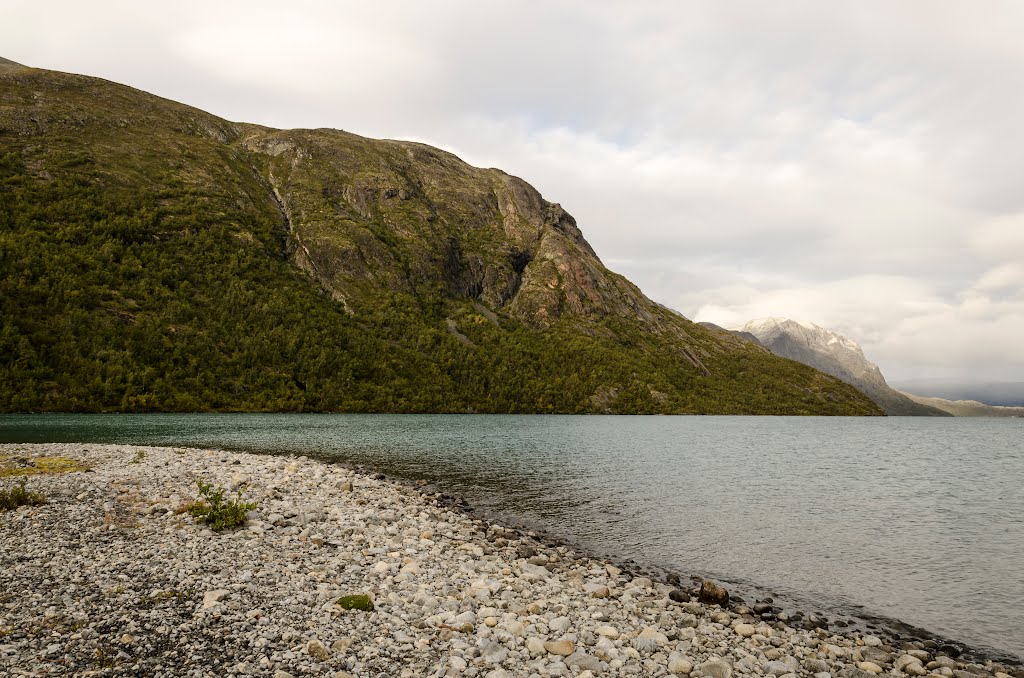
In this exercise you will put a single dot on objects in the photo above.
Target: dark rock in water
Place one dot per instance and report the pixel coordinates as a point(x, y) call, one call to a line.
point(673, 579)
point(527, 551)
point(713, 594)
point(813, 621)
point(950, 650)
point(761, 608)
point(679, 596)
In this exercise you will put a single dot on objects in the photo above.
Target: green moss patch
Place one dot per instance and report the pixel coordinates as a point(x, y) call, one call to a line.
point(12, 467)
point(357, 602)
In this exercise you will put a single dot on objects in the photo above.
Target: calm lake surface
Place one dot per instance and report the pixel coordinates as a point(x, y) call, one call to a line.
point(916, 519)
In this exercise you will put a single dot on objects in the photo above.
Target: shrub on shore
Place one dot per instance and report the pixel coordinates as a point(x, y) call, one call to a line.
point(19, 496)
point(217, 513)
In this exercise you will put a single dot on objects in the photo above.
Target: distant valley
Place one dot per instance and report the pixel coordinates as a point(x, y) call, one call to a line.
point(1006, 393)
point(967, 408)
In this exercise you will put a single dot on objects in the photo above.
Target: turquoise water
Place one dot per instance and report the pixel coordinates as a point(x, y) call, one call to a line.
point(916, 519)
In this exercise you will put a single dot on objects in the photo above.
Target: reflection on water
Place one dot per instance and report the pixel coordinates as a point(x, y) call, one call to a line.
point(918, 519)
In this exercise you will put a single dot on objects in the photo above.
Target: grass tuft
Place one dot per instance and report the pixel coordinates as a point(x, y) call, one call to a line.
point(19, 496)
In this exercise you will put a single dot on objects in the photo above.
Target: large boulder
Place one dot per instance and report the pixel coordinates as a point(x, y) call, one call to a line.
point(713, 594)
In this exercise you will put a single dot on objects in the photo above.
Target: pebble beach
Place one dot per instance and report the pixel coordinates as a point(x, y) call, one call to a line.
point(113, 577)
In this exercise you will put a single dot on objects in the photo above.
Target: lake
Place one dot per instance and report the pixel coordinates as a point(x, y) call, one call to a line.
point(916, 519)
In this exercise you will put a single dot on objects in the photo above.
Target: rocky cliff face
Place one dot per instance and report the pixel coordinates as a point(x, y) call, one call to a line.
point(408, 217)
point(837, 355)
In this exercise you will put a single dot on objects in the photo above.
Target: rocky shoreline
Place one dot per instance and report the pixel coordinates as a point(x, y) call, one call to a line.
point(111, 578)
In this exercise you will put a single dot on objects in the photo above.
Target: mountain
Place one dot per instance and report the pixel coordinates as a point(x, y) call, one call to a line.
point(967, 408)
point(157, 257)
point(834, 354)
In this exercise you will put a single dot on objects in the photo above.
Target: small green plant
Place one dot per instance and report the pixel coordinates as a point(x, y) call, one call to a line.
point(139, 456)
point(104, 660)
point(214, 511)
point(19, 496)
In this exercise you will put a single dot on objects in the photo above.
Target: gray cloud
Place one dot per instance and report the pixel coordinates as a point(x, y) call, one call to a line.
point(856, 166)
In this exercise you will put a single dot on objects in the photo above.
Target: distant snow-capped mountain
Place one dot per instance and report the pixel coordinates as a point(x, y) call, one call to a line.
point(834, 354)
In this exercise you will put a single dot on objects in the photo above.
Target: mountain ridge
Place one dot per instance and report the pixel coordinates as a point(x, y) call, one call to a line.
point(157, 257)
point(837, 355)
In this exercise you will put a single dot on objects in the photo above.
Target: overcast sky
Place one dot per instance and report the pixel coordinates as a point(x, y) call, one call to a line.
point(859, 165)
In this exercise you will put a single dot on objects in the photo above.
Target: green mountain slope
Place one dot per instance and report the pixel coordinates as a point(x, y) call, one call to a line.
point(156, 257)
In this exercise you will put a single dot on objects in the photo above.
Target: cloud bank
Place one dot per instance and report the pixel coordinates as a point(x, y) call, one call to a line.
point(853, 165)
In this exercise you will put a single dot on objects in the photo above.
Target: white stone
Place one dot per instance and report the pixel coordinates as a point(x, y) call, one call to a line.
point(679, 665)
point(211, 598)
point(559, 624)
point(535, 646)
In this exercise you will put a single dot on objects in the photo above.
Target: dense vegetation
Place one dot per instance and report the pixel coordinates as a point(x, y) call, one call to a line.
point(163, 278)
